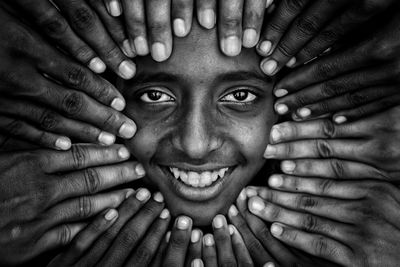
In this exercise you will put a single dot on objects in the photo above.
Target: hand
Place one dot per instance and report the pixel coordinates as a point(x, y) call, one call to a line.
point(301, 30)
point(364, 149)
point(47, 97)
point(132, 240)
point(349, 83)
point(351, 223)
point(45, 192)
point(77, 27)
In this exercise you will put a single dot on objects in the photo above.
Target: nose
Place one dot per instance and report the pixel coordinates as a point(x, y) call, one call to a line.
point(197, 135)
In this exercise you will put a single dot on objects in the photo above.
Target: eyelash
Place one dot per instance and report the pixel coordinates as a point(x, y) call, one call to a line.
point(249, 93)
point(145, 95)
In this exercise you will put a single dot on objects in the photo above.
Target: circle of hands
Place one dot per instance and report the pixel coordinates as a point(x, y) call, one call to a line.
point(335, 203)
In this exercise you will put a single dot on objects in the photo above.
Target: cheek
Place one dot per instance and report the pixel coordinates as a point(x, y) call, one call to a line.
point(144, 144)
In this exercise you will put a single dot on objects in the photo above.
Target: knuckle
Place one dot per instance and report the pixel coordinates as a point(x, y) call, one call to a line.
point(92, 180)
point(48, 120)
point(324, 149)
point(64, 236)
point(276, 27)
point(85, 207)
point(319, 246)
point(228, 263)
point(54, 25)
point(295, 5)
point(83, 18)
point(324, 70)
point(111, 120)
point(329, 36)
point(370, 7)
point(309, 223)
point(285, 48)
point(274, 212)
point(221, 239)
point(306, 202)
point(328, 129)
point(231, 23)
point(72, 103)
point(77, 77)
point(15, 127)
point(356, 98)
point(325, 186)
point(307, 26)
point(178, 241)
point(143, 255)
point(83, 53)
point(79, 156)
point(130, 237)
point(331, 89)
point(253, 17)
point(149, 210)
point(112, 52)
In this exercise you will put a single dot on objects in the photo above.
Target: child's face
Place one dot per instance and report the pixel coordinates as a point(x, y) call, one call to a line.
point(203, 124)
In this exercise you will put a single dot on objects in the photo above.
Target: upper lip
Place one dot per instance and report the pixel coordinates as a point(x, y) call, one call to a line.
point(198, 168)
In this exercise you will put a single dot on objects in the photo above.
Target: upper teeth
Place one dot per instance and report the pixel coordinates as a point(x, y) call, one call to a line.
point(196, 179)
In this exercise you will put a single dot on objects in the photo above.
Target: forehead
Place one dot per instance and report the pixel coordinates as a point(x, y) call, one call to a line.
point(197, 57)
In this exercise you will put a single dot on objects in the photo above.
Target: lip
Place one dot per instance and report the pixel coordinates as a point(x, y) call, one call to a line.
point(197, 193)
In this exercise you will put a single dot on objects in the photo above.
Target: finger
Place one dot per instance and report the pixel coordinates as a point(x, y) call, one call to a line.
point(367, 110)
point(143, 255)
point(88, 25)
point(84, 207)
point(182, 16)
point(318, 148)
point(159, 22)
point(194, 251)
point(241, 252)
point(259, 253)
point(313, 244)
point(252, 21)
point(197, 263)
point(114, 7)
point(135, 20)
point(315, 186)
point(54, 25)
point(84, 239)
point(133, 231)
point(313, 129)
point(93, 180)
point(223, 242)
point(132, 204)
point(206, 13)
point(332, 169)
point(309, 222)
point(159, 257)
point(283, 15)
point(178, 242)
point(230, 26)
point(25, 131)
point(209, 251)
point(346, 101)
point(302, 29)
point(83, 156)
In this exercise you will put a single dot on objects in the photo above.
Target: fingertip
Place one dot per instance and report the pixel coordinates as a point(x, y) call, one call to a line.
point(106, 139)
point(140, 171)
point(118, 104)
point(141, 46)
point(97, 65)
point(207, 18)
point(265, 48)
point(127, 69)
point(231, 46)
point(340, 119)
point(159, 52)
point(127, 130)
point(63, 143)
point(281, 92)
point(127, 49)
point(111, 215)
point(250, 38)
point(275, 181)
point(276, 229)
point(114, 8)
point(123, 153)
point(179, 27)
point(269, 66)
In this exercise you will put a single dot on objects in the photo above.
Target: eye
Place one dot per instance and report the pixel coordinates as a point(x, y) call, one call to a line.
point(239, 96)
point(156, 96)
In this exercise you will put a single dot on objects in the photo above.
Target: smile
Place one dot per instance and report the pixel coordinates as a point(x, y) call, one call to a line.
point(198, 179)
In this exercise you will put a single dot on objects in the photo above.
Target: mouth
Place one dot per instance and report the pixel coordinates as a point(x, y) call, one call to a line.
point(197, 185)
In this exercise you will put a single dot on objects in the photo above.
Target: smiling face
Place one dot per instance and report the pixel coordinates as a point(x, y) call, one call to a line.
point(203, 124)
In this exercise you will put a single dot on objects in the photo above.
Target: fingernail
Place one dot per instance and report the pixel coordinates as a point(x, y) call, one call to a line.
point(158, 197)
point(167, 236)
point(127, 130)
point(195, 237)
point(207, 18)
point(233, 211)
point(63, 143)
point(197, 263)
point(251, 192)
point(242, 195)
point(275, 181)
point(127, 69)
point(276, 135)
point(340, 119)
point(265, 48)
point(269, 264)
point(164, 214)
point(106, 139)
point(139, 169)
point(269, 66)
point(291, 62)
point(118, 104)
point(288, 166)
point(208, 240)
point(304, 112)
point(143, 194)
point(281, 92)
point(231, 46)
point(115, 9)
point(129, 193)
point(183, 223)
point(179, 27)
point(123, 153)
point(159, 52)
point(231, 229)
point(256, 204)
point(276, 230)
point(127, 49)
point(141, 46)
point(281, 109)
point(270, 152)
point(250, 38)
point(269, 3)
point(110, 215)
point(219, 221)
point(97, 65)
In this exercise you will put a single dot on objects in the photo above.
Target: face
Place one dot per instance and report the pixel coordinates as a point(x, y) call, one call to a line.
point(203, 124)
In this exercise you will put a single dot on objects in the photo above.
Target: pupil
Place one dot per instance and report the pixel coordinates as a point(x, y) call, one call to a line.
point(154, 95)
point(240, 96)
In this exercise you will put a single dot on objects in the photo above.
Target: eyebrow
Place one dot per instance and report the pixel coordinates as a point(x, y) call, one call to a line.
point(238, 76)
